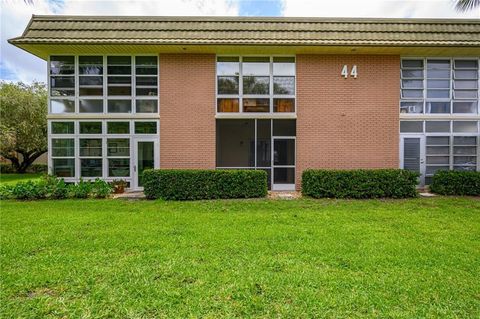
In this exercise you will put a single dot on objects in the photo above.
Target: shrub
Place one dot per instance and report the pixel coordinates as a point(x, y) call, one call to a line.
point(55, 188)
point(6, 168)
point(360, 183)
point(456, 183)
point(204, 184)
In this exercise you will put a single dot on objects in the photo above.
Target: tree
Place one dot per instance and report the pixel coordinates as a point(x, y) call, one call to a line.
point(465, 5)
point(23, 123)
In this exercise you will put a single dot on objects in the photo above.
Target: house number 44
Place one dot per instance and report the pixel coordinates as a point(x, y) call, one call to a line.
point(353, 72)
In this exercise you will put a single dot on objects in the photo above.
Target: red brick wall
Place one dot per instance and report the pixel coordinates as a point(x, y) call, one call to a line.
point(187, 111)
point(347, 123)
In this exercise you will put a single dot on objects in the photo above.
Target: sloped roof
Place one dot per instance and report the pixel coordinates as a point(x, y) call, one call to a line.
point(121, 30)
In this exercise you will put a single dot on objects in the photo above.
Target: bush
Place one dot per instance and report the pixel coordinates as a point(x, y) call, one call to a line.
point(360, 183)
point(6, 168)
point(54, 188)
point(456, 183)
point(204, 184)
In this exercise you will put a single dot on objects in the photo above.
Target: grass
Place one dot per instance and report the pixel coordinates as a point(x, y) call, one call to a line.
point(9, 179)
point(416, 258)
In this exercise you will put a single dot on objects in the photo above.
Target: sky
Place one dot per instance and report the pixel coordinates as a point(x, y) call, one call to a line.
point(17, 65)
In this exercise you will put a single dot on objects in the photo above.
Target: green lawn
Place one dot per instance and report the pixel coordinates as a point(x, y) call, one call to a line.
point(9, 179)
point(416, 258)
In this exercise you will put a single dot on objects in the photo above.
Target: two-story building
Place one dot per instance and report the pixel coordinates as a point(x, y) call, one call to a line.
point(276, 94)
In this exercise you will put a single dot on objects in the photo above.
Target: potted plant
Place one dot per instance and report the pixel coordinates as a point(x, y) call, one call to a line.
point(119, 186)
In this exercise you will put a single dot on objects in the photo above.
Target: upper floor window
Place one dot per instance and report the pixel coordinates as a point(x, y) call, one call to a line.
point(439, 86)
point(106, 84)
point(255, 84)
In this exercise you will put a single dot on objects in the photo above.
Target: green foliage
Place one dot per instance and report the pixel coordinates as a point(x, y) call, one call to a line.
point(360, 183)
point(204, 184)
point(456, 183)
point(23, 128)
point(34, 168)
point(51, 187)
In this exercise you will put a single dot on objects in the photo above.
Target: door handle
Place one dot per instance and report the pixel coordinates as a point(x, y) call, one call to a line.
point(422, 161)
point(134, 168)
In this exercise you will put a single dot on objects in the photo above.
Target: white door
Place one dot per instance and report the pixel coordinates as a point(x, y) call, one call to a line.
point(412, 155)
point(146, 155)
point(283, 163)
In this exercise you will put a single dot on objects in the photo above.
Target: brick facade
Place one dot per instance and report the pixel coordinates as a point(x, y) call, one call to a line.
point(187, 111)
point(347, 123)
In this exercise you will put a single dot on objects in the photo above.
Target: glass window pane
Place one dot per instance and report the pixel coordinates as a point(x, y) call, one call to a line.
point(264, 135)
point(118, 127)
point(119, 106)
point(438, 160)
point(90, 80)
point(63, 147)
point(437, 126)
point(90, 127)
point(284, 175)
point(90, 64)
point(146, 106)
point(284, 128)
point(411, 107)
point(464, 168)
point(284, 152)
point(146, 91)
point(228, 105)
point(464, 107)
point(438, 84)
point(464, 150)
point(228, 66)
point(256, 66)
point(466, 74)
point(283, 105)
point(418, 74)
point(412, 84)
point(412, 93)
point(433, 169)
point(284, 85)
point(284, 66)
point(462, 94)
point(466, 64)
point(438, 150)
point(119, 90)
point(118, 147)
point(412, 63)
point(91, 167)
point(90, 91)
point(438, 64)
point(119, 65)
point(91, 106)
point(91, 147)
point(118, 167)
point(411, 126)
point(62, 106)
point(227, 85)
point(62, 92)
point(438, 74)
point(465, 140)
point(465, 126)
point(438, 94)
point(438, 107)
point(63, 167)
point(256, 85)
point(146, 80)
point(235, 143)
point(145, 127)
point(62, 82)
point(63, 128)
point(438, 140)
point(256, 105)
point(465, 84)
point(146, 60)
point(465, 160)
point(62, 65)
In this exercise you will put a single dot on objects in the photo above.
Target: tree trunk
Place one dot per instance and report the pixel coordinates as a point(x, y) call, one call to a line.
point(28, 159)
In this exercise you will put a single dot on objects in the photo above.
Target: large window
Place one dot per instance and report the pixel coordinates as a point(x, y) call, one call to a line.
point(257, 144)
point(255, 84)
point(439, 86)
point(106, 84)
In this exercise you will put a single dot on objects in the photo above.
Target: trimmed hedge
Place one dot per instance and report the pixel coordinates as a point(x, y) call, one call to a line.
point(360, 183)
point(456, 183)
point(204, 184)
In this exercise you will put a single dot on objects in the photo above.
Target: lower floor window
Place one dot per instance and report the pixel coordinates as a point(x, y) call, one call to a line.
point(262, 144)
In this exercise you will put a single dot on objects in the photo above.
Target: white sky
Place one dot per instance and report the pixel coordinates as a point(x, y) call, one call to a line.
point(17, 65)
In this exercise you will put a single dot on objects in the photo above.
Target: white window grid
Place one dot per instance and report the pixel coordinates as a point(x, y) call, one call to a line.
point(424, 100)
point(105, 97)
point(104, 136)
point(240, 96)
